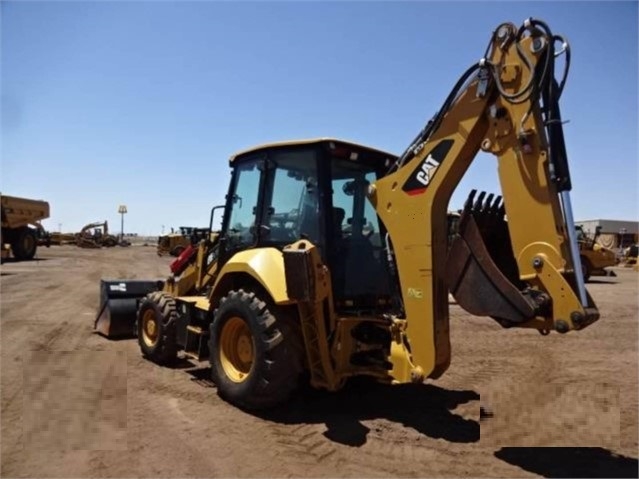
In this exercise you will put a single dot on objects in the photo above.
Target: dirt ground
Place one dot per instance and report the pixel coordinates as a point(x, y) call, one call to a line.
point(77, 405)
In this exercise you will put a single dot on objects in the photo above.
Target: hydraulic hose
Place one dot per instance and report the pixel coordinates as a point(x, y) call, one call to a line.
point(434, 122)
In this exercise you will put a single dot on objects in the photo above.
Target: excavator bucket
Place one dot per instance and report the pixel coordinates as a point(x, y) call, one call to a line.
point(119, 305)
point(481, 269)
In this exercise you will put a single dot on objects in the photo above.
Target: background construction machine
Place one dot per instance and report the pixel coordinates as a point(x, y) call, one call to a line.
point(96, 235)
point(175, 243)
point(334, 261)
point(21, 225)
point(594, 257)
point(629, 256)
point(58, 238)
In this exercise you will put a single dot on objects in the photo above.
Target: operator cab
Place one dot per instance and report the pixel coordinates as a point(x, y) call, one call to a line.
point(314, 190)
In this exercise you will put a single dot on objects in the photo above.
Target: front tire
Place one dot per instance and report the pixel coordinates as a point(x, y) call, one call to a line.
point(256, 356)
point(156, 328)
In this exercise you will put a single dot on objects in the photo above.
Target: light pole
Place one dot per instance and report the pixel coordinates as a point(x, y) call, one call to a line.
point(122, 211)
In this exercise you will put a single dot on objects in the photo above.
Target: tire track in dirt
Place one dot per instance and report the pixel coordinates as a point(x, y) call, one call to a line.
point(303, 444)
point(381, 424)
point(301, 447)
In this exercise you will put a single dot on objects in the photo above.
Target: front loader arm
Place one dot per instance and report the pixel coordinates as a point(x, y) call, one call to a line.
point(509, 109)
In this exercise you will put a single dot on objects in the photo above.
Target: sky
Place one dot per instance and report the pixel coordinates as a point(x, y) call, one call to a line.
point(143, 103)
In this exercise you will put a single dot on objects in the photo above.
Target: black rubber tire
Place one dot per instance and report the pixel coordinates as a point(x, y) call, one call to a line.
point(164, 350)
point(585, 269)
point(278, 352)
point(25, 244)
point(177, 251)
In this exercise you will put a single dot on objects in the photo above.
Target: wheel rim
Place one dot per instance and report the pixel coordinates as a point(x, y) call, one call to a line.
point(150, 331)
point(236, 349)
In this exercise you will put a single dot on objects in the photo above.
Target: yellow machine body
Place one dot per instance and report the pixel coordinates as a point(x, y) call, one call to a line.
point(20, 225)
point(273, 295)
point(594, 256)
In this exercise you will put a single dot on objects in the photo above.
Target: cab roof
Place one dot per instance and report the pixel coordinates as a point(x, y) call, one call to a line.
point(311, 141)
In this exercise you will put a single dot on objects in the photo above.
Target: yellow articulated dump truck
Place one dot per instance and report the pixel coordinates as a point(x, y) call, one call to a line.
point(20, 225)
point(335, 259)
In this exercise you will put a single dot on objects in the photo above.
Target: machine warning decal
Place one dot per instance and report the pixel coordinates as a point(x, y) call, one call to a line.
point(419, 180)
point(415, 293)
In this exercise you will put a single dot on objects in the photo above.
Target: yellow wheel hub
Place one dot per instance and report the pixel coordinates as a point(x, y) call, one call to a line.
point(236, 349)
point(149, 328)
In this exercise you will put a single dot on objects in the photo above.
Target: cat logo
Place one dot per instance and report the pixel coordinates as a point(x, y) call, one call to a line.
point(422, 176)
point(429, 164)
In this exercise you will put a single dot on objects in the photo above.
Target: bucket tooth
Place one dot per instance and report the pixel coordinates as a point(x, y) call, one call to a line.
point(479, 202)
point(496, 208)
point(488, 204)
point(469, 201)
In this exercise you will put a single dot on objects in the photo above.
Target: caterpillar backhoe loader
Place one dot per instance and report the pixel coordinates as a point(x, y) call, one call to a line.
point(334, 261)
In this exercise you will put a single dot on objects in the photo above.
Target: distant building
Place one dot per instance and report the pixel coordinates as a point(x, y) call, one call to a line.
point(614, 233)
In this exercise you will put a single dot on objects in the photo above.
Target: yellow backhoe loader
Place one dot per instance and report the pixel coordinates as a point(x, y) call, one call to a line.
point(333, 259)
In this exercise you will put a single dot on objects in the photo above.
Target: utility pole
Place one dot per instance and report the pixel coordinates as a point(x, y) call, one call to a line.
point(122, 211)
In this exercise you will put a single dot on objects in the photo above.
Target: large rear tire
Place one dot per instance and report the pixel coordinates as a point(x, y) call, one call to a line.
point(256, 356)
point(156, 328)
point(25, 244)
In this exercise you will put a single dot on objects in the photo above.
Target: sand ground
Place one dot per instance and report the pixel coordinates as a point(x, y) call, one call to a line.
point(77, 405)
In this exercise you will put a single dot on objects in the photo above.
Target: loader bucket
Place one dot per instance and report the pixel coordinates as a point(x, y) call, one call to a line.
point(481, 270)
point(119, 301)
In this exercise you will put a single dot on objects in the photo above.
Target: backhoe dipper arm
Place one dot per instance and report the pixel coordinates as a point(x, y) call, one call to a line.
point(526, 275)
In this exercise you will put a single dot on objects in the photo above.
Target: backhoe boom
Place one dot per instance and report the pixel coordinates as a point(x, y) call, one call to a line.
point(521, 271)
